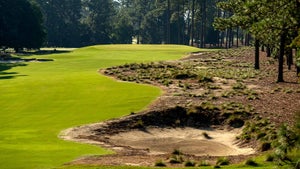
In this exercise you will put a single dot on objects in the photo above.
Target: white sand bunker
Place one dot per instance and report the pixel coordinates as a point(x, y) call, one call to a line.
point(187, 140)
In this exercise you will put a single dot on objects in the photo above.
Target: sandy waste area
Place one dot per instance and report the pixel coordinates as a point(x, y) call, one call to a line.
point(187, 140)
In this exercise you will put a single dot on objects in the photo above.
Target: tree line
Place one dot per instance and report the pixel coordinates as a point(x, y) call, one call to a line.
point(75, 23)
point(273, 25)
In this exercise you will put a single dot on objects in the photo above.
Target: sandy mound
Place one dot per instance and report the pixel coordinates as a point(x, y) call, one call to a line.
point(188, 140)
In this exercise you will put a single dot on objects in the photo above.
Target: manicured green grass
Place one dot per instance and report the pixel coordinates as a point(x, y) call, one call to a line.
point(40, 99)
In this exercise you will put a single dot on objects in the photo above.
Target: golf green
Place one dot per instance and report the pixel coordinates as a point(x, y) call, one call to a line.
point(40, 99)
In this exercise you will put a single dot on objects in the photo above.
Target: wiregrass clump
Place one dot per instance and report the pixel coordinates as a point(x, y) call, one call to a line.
point(189, 163)
point(204, 163)
point(222, 161)
point(251, 162)
point(160, 163)
point(176, 159)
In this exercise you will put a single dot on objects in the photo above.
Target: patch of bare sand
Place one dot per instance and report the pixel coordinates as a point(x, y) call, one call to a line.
point(188, 140)
point(158, 142)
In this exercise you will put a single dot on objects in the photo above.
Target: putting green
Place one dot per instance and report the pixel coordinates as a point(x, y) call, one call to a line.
point(40, 99)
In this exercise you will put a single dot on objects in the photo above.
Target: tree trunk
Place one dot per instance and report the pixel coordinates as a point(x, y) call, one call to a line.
point(168, 23)
point(219, 32)
point(280, 58)
point(183, 28)
point(138, 41)
point(220, 39)
point(262, 48)
point(237, 37)
point(246, 39)
point(256, 65)
point(203, 6)
point(193, 24)
point(231, 38)
point(227, 39)
point(268, 51)
point(188, 25)
point(178, 23)
point(242, 38)
point(297, 64)
point(289, 57)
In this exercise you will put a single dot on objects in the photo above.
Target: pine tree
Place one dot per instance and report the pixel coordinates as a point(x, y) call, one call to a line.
point(21, 25)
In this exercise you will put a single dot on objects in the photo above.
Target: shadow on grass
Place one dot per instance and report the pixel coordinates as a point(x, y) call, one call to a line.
point(9, 75)
point(42, 52)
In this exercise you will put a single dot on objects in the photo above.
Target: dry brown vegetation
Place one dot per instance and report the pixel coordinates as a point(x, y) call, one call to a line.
point(211, 90)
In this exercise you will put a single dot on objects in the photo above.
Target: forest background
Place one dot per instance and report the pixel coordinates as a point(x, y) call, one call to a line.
point(77, 23)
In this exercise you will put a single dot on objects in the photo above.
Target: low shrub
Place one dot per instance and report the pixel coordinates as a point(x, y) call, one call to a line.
point(177, 152)
point(173, 160)
point(139, 124)
point(176, 159)
point(288, 90)
point(246, 137)
point(227, 94)
point(222, 161)
point(213, 87)
point(251, 162)
point(208, 106)
point(260, 135)
point(189, 163)
point(265, 146)
point(204, 79)
point(236, 122)
point(160, 163)
point(213, 97)
point(204, 163)
point(270, 158)
point(239, 86)
point(252, 97)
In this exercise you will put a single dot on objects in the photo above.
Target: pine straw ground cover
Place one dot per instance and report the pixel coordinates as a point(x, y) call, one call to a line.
point(223, 80)
point(225, 76)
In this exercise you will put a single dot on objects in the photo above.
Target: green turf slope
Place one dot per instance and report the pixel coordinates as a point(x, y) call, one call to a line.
point(40, 99)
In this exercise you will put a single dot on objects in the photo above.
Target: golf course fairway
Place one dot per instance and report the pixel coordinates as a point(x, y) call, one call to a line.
point(40, 99)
